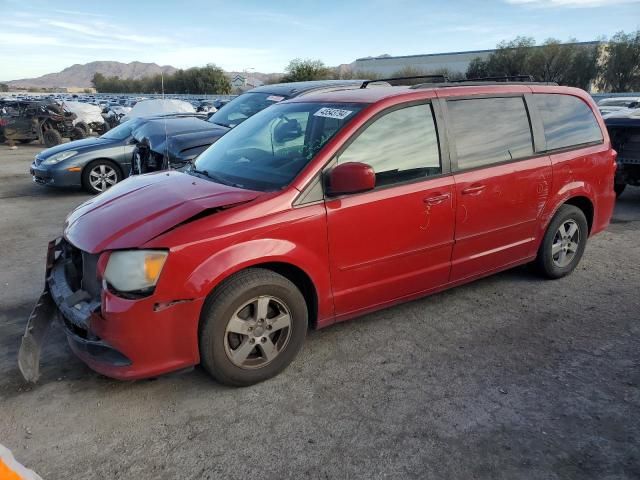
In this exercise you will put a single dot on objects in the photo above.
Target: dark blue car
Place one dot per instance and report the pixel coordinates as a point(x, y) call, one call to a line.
point(94, 164)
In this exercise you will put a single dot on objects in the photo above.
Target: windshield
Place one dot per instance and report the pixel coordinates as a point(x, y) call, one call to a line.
point(269, 150)
point(120, 132)
point(240, 108)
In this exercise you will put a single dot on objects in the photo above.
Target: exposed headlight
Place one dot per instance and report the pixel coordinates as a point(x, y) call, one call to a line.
point(58, 157)
point(134, 270)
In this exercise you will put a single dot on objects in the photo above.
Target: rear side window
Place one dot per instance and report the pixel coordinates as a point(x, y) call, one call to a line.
point(568, 121)
point(400, 146)
point(490, 130)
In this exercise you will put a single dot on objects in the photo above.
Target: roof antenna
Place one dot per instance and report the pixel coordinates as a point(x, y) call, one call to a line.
point(166, 137)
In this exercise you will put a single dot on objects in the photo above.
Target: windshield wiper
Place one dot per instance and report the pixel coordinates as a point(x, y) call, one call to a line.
point(212, 176)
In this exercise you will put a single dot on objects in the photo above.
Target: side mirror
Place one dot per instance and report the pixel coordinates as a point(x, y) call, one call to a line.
point(351, 177)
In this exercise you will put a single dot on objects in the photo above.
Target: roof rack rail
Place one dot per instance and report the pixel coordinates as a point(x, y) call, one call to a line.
point(502, 78)
point(435, 78)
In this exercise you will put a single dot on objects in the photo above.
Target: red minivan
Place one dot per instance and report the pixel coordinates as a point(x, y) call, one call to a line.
point(320, 209)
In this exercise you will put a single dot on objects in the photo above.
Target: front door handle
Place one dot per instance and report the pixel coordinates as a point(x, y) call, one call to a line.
point(436, 199)
point(473, 190)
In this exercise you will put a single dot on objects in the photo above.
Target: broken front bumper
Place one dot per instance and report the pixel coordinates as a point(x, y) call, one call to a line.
point(120, 338)
point(73, 309)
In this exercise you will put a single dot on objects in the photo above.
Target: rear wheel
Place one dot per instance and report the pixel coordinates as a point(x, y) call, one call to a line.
point(52, 138)
point(100, 175)
point(84, 127)
point(563, 243)
point(252, 327)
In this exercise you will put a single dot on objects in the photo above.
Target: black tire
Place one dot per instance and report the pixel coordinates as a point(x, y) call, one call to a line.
point(52, 138)
point(545, 262)
point(223, 304)
point(619, 188)
point(77, 133)
point(86, 175)
point(84, 127)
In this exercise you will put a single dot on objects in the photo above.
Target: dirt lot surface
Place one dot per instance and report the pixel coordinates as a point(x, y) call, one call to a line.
point(509, 377)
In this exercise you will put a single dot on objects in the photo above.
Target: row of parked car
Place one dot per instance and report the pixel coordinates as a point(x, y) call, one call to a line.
point(159, 135)
point(170, 134)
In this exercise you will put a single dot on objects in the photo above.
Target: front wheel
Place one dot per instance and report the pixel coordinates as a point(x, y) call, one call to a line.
point(563, 243)
point(252, 327)
point(100, 175)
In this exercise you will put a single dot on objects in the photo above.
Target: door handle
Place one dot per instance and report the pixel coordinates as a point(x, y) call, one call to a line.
point(473, 190)
point(436, 199)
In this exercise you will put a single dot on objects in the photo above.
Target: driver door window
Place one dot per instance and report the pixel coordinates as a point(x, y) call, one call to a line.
point(400, 146)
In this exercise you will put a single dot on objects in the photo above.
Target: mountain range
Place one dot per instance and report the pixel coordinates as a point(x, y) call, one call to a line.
point(79, 76)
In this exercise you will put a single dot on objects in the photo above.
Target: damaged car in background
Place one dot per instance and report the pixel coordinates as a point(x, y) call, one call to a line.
point(94, 164)
point(44, 120)
point(625, 138)
point(186, 141)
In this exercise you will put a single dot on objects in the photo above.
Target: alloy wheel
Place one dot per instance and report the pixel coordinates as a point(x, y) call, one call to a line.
point(257, 332)
point(565, 243)
point(102, 177)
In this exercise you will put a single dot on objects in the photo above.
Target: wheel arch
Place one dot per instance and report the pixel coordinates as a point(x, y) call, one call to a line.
point(302, 268)
point(110, 160)
point(585, 204)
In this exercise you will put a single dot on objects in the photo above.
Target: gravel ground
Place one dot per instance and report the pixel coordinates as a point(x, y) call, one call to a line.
point(509, 377)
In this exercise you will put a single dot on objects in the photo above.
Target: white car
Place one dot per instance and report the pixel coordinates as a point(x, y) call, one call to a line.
point(615, 104)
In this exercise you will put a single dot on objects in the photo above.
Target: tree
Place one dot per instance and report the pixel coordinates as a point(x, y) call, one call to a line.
point(209, 79)
point(550, 62)
point(300, 70)
point(511, 58)
point(4, 87)
point(477, 68)
point(565, 63)
point(620, 71)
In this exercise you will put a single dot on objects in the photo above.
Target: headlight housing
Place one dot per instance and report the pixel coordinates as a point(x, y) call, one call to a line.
point(134, 271)
point(58, 157)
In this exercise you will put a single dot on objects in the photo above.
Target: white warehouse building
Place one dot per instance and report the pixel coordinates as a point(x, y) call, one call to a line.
point(387, 65)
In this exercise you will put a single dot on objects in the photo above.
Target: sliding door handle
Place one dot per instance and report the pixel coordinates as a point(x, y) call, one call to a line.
point(437, 199)
point(473, 190)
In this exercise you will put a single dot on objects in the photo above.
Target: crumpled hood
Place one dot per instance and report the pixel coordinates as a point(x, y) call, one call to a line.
point(179, 146)
point(144, 206)
point(80, 145)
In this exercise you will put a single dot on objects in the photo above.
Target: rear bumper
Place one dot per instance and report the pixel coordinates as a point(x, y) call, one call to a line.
point(126, 339)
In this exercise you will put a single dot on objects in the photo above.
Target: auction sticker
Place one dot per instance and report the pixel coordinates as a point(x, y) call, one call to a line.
point(333, 113)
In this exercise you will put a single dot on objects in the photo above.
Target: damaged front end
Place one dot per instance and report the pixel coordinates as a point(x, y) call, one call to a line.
point(72, 295)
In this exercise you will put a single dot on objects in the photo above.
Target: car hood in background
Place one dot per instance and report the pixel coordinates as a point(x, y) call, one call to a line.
point(155, 132)
point(143, 207)
point(80, 145)
point(178, 146)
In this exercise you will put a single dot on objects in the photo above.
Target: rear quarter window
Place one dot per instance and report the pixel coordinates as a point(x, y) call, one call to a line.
point(568, 121)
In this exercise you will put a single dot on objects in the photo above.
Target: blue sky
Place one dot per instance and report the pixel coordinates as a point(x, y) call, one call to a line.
point(38, 37)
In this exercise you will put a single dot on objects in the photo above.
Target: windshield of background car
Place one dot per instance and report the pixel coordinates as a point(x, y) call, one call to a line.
point(121, 132)
point(240, 108)
point(269, 150)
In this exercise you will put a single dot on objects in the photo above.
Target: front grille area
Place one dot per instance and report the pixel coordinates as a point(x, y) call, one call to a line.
point(81, 269)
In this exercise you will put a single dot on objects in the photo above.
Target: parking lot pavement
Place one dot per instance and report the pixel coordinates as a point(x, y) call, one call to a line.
point(509, 377)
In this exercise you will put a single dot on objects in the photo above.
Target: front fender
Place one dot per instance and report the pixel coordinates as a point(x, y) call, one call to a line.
point(252, 253)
